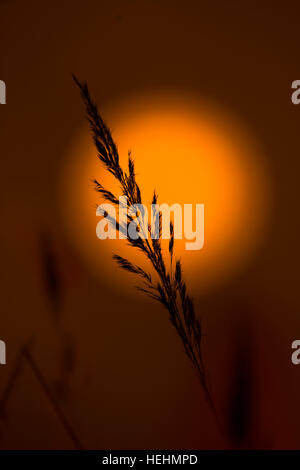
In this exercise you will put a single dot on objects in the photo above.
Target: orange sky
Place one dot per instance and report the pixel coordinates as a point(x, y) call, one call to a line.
point(191, 152)
point(131, 385)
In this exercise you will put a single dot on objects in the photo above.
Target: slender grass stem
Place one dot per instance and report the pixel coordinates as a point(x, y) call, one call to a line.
point(169, 289)
point(52, 399)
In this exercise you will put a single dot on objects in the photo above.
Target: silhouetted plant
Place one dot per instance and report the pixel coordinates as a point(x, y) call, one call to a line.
point(54, 289)
point(170, 288)
point(52, 278)
point(239, 409)
point(25, 356)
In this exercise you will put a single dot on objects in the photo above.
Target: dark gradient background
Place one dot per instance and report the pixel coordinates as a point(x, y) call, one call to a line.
point(115, 364)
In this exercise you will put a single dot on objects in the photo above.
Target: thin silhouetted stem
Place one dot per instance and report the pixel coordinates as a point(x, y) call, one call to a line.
point(48, 392)
point(169, 289)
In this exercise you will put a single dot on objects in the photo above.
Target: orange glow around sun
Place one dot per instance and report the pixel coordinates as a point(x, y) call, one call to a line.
point(189, 151)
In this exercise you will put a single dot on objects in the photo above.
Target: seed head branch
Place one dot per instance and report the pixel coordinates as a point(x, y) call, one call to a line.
point(170, 289)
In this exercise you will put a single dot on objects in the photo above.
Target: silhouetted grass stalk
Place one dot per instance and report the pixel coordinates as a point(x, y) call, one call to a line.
point(170, 289)
point(52, 399)
point(26, 355)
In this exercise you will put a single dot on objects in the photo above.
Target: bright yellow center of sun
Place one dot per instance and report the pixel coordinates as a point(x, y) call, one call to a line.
point(190, 152)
